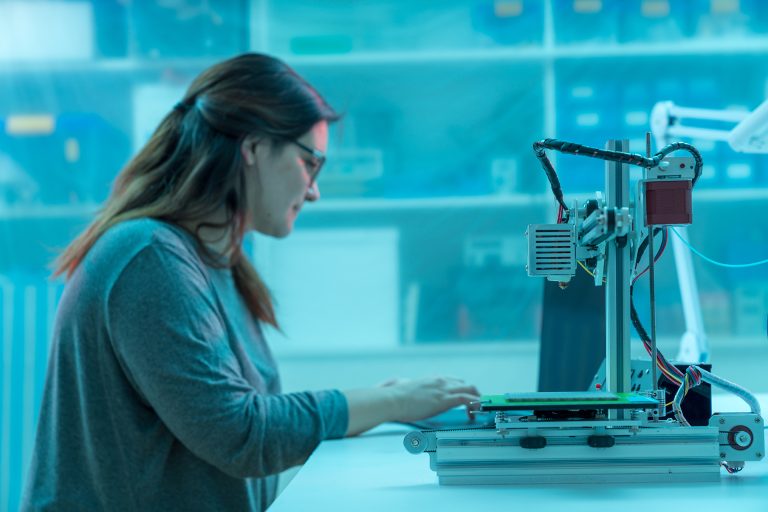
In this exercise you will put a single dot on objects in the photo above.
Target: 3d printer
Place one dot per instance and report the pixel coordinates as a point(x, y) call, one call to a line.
point(612, 434)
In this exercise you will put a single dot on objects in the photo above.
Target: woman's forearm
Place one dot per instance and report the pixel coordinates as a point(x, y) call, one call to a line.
point(370, 407)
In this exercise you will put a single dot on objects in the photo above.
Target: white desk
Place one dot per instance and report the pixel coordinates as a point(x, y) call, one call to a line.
point(374, 472)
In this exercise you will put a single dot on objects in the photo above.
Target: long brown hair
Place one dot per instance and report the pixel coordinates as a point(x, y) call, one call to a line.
point(192, 164)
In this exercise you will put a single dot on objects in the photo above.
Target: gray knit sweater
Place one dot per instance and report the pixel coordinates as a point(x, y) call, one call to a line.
point(161, 393)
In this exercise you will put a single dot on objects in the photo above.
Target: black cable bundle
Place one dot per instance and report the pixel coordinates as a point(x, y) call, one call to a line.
point(604, 154)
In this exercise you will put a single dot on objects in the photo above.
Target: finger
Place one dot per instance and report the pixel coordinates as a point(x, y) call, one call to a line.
point(450, 379)
point(388, 382)
point(467, 389)
point(457, 399)
point(474, 406)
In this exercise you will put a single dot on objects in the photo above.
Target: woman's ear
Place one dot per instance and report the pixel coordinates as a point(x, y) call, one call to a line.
point(248, 150)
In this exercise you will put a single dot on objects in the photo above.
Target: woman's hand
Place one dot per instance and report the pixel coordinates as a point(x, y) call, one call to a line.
point(405, 400)
point(421, 398)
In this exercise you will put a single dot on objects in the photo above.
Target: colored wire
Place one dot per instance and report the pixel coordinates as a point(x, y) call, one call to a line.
point(694, 376)
point(710, 260)
point(730, 469)
point(587, 270)
point(670, 371)
point(658, 254)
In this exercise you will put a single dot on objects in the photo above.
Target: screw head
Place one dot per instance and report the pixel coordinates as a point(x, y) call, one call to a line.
point(743, 439)
point(722, 421)
point(759, 455)
point(722, 455)
point(414, 442)
point(758, 419)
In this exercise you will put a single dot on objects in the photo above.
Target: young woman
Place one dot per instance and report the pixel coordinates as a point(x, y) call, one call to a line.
point(161, 393)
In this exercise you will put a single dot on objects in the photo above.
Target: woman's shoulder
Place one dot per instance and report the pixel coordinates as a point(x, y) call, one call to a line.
point(147, 231)
point(124, 241)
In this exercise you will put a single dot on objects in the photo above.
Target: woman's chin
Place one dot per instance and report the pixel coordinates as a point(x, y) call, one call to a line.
point(283, 230)
point(280, 232)
point(274, 229)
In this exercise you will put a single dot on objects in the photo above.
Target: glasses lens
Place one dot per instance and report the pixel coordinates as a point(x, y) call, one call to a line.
point(318, 159)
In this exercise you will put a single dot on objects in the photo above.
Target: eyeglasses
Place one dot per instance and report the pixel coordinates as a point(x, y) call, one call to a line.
point(318, 159)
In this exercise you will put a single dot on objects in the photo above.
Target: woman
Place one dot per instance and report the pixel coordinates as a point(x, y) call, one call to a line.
point(161, 393)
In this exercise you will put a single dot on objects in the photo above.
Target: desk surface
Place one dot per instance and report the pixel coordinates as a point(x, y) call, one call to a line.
point(374, 472)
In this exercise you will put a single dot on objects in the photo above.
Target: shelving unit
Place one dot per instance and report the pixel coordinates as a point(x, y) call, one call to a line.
point(554, 58)
point(757, 45)
point(437, 151)
point(390, 205)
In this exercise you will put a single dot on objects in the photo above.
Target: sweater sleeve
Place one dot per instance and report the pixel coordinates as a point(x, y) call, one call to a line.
point(172, 344)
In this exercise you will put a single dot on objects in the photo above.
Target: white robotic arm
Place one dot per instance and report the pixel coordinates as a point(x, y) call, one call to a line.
point(749, 135)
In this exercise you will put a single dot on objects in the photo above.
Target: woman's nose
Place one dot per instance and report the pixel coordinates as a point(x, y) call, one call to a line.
point(313, 193)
